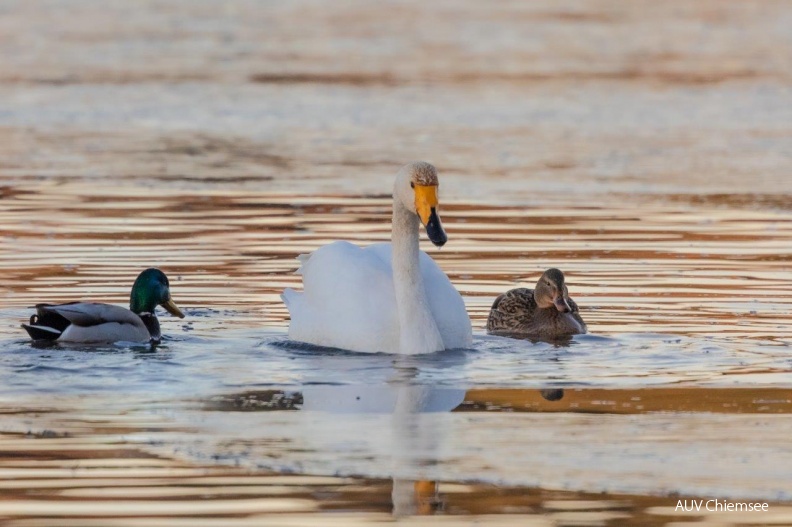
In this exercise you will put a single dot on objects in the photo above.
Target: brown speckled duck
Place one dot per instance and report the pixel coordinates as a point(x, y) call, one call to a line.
point(545, 312)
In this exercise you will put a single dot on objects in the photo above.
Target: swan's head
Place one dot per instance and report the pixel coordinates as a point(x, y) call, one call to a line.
point(551, 291)
point(416, 189)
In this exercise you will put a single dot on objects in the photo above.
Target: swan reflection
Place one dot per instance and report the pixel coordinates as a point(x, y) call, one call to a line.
point(398, 424)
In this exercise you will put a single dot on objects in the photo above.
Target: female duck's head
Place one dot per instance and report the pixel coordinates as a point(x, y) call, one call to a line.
point(551, 291)
point(150, 290)
point(416, 189)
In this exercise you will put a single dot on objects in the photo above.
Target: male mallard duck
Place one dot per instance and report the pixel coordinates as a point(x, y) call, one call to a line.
point(89, 322)
point(545, 312)
point(387, 297)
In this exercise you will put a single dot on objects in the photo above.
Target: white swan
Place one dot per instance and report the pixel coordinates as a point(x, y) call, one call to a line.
point(387, 297)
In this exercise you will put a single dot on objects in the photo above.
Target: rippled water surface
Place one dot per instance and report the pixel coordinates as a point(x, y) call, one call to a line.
point(219, 146)
point(689, 344)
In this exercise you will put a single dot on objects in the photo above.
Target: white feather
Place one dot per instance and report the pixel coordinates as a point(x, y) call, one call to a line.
point(349, 301)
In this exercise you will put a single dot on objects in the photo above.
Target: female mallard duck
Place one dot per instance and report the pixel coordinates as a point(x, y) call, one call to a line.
point(545, 312)
point(387, 297)
point(89, 322)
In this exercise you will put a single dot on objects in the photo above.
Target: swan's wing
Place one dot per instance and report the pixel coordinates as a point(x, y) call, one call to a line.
point(447, 305)
point(347, 300)
point(303, 259)
point(448, 308)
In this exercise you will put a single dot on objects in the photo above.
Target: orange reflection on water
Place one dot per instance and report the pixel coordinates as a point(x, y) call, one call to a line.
point(708, 271)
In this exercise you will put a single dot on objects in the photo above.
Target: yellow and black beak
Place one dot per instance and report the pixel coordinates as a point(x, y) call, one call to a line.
point(426, 204)
point(172, 308)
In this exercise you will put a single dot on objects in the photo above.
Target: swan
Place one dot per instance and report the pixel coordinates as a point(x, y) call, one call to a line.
point(544, 312)
point(386, 297)
point(92, 322)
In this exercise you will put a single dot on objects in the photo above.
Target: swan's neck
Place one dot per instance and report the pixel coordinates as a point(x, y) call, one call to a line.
point(418, 332)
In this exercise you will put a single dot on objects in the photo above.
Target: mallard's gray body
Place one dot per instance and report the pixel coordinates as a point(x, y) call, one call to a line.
point(90, 322)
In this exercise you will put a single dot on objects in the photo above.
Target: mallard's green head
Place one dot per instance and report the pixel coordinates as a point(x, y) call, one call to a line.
point(150, 290)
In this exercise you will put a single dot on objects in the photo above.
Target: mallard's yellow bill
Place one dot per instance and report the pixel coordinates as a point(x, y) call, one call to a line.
point(172, 308)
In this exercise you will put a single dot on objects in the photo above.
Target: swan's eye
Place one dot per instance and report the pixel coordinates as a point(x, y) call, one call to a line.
point(412, 185)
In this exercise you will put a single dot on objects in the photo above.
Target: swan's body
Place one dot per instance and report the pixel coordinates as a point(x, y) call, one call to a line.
point(546, 312)
point(388, 297)
point(349, 301)
point(84, 322)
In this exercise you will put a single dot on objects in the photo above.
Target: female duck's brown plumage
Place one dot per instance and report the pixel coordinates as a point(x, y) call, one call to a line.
point(544, 312)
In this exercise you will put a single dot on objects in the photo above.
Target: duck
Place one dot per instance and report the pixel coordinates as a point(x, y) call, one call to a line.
point(88, 322)
point(385, 297)
point(543, 312)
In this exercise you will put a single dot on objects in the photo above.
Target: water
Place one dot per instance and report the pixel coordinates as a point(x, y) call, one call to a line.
point(652, 390)
point(227, 144)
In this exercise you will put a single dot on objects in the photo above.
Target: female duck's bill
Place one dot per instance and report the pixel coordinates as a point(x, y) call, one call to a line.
point(386, 297)
point(96, 323)
point(544, 312)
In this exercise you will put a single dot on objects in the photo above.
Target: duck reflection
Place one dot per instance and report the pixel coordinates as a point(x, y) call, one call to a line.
point(562, 341)
point(552, 394)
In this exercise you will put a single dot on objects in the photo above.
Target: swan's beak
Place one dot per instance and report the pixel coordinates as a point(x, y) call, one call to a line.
point(434, 229)
point(426, 203)
point(172, 308)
